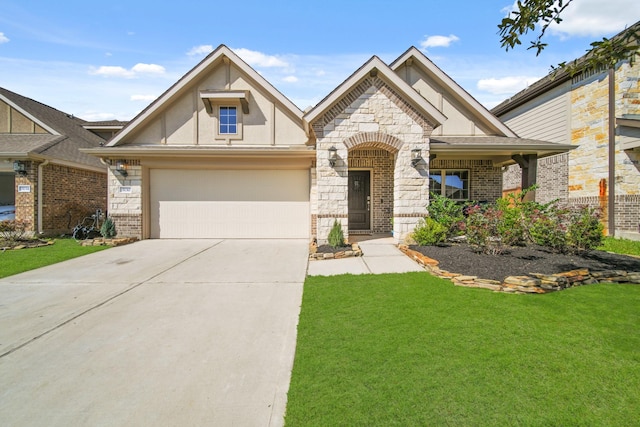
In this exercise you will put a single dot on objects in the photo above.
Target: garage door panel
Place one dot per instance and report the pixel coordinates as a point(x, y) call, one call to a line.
point(229, 204)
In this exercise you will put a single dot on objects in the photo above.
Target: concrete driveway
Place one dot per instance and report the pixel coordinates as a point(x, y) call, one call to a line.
point(159, 332)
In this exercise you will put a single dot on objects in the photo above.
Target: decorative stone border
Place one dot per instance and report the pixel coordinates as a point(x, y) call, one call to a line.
point(15, 248)
point(535, 283)
point(317, 256)
point(119, 241)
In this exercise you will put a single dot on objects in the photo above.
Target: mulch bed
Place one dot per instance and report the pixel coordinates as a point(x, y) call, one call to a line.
point(328, 249)
point(520, 261)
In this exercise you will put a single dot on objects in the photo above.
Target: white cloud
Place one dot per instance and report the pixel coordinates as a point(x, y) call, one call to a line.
point(588, 18)
point(506, 85)
point(135, 71)
point(148, 69)
point(111, 71)
point(146, 98)
point(290, 79)
point(201, 50)
point(3, 38)
point(259, 59)
point(438, 41)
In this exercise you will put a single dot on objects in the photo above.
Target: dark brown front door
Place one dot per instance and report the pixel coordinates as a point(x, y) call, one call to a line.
point(359, 200)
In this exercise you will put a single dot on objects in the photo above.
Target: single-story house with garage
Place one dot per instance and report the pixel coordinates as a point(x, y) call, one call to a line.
point(45, 180)
point(223, 154)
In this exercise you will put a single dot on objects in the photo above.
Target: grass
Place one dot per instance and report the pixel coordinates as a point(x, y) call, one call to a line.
point(17, 261)
point(412, 349)
point(621, 246)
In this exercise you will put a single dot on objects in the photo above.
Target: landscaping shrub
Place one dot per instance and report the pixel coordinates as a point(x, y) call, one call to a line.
point(108, 229)
point(336, 236)
point(585, 229)
point(515, 214)
point(447, 213)
point(429, 232)
point(482, 229)
point(548, 228)
point(13, 229)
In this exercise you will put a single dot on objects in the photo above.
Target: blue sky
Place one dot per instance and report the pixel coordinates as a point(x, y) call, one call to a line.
point(108, 60)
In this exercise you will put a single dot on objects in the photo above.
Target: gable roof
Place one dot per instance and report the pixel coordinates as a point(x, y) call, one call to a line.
point(210, 61)
point(376, 66)
point(64, 139)
point(443, 80)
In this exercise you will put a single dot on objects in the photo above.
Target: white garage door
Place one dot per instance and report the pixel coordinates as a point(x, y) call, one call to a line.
point(229, 203)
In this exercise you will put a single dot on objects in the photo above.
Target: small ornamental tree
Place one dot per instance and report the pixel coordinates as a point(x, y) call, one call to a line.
point(336, 236)
point(108, 229)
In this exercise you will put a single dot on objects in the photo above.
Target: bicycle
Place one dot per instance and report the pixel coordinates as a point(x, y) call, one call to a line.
point(89, 227)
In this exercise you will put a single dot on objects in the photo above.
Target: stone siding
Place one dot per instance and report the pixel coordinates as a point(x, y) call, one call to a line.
point(126, 207)
point(371, 116)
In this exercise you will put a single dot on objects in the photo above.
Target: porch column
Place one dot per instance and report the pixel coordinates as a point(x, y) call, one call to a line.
point(332, 189)
point(411, 188)
point(529, 165)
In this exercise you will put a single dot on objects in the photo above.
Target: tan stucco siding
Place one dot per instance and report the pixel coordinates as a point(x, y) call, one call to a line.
point(185, 120)
point(179, 121)
point(460, 121)
point(13, 121)
point(545, 118)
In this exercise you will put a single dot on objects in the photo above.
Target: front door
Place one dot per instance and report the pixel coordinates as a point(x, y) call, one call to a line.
point(359, 200)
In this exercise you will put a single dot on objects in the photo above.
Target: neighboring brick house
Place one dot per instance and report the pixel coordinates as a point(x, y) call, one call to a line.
point(575, 110)
point(42, 171)
point(223, 154)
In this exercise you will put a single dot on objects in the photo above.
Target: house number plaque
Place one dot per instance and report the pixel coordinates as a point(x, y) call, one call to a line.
point(24, 189)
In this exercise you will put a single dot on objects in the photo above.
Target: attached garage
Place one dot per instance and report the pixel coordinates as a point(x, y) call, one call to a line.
point(201, 203)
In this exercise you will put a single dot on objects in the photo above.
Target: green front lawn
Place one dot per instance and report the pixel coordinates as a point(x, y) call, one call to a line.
point(411, 349)
point(17, 261)
point(621, 246)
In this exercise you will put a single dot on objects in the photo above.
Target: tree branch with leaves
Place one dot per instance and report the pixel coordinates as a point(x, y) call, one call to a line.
point(538, 15)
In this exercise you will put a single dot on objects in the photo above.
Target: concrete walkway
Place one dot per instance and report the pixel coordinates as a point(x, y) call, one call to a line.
point(156, 333)
point(380, 255)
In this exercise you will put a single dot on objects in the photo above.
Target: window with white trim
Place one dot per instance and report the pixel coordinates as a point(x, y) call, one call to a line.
point(228, 120)
point(453, 184)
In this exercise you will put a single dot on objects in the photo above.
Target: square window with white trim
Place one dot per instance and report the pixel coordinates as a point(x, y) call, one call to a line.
point(453, 184)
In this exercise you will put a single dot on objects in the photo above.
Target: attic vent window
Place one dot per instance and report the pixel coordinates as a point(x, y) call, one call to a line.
point(219, 97)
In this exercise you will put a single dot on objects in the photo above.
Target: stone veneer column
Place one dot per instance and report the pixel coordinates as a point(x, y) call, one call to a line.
point(411, 189)
point(125, 208)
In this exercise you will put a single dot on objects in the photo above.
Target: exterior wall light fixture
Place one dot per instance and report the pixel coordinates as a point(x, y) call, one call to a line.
point(121, 168)
point(19, 167)
point(333, 155)
point(416, 157)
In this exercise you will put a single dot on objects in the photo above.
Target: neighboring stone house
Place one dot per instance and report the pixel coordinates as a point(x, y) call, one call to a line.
point(223, 154)
point(42, 171)
point(575, 110)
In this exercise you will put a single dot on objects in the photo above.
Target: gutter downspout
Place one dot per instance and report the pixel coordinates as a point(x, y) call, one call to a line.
point(612, 154)
point(40, 168)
